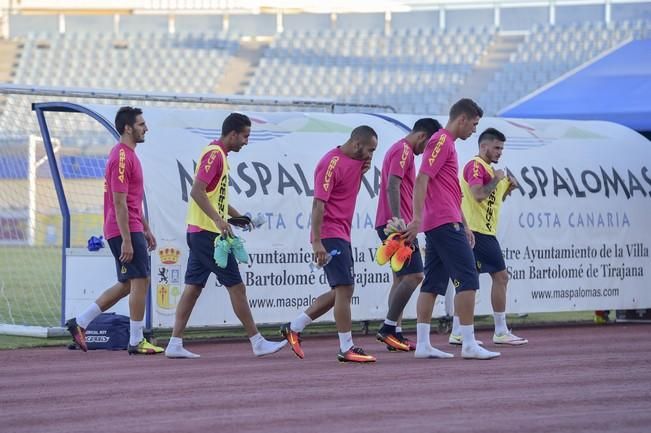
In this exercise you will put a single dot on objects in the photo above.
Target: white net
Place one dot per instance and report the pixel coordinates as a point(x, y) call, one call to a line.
point(31, 222)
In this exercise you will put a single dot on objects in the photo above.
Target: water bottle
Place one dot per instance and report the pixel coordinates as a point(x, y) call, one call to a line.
point(314, 266)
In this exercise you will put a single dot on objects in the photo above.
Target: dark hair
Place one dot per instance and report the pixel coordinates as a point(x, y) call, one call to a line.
point(491, 134)
point(235, 122)
point(126, 116)
point(427, 125)
point(465, 106)
point(363, 133)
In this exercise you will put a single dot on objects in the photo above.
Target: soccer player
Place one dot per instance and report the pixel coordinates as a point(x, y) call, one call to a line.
point(395, 201)
point(449, 241)
point(484, 190)
point(337, 180)
point(208, 228)
point(127, 233)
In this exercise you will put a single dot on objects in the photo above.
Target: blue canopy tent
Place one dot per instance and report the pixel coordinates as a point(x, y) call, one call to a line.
point(615, 88)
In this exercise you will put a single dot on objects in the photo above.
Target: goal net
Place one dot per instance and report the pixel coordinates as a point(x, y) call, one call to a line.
point(31, 220)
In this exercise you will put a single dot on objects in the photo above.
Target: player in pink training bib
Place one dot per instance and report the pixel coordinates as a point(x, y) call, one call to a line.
point(337, 180)
point(449, 241)
point(127, 234)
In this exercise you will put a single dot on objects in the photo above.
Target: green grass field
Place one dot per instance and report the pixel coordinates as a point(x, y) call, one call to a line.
point(30, 285)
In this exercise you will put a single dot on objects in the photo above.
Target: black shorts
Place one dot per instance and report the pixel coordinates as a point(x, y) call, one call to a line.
point(341, 270)
point(415, 264)
point(201, 262)
point(488, 254)
point(139, 267)
point(448, 255)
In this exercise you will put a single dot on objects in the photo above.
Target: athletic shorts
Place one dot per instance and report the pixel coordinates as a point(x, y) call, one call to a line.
point(201, 262)
point(139, 267)
point(414, 265)
point(488, 254)
point(448, 256)
point(341, 270)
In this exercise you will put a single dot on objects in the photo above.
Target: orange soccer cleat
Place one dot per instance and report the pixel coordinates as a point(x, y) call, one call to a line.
point(355, 354)
point(401, 256)
point(388, 248)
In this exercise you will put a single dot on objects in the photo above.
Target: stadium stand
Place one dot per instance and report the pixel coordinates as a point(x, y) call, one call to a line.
point(548, 52)
point(414, 70)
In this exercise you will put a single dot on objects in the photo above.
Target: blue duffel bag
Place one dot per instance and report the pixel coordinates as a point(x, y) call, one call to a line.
point(109, 331)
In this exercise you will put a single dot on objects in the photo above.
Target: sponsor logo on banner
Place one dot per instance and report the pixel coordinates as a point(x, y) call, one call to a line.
point(168, 284)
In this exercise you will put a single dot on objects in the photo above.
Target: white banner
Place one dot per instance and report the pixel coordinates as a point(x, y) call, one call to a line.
point(574, 236)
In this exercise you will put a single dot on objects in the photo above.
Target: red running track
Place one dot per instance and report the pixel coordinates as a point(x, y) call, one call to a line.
point(574, 379)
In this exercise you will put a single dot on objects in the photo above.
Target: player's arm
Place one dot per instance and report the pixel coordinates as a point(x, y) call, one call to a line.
point(232, 212)
point(481, 192)
point(469, 234)
point(420, 188)
point(122, 217)
point(199, 195)
point(149, 236)
point(318, 209)
point(393, 193)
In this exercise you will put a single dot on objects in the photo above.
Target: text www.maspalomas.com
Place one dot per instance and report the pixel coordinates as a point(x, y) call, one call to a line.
point(288, 302)
point(574, 293)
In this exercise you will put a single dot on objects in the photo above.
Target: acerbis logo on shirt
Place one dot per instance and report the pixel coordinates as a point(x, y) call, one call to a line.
point(437, 149)
point(211, 159)
point(405, 155)
point(328, 175)
point(122, 165)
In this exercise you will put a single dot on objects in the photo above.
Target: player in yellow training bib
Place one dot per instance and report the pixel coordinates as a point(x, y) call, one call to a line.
point(484, 191)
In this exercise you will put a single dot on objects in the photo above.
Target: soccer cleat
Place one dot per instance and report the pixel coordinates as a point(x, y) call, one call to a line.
point(391, 340)
point(177, 351)
point(457, 340)
point(355, 354)
point(426, 351)
point(509, 339)
point(222, 249)
point(144, 348)
point(475, 351)
point(78, 333)
point(408, 342)
point(402, 256)
point(266, 347)
point(388, 249)
point(411, 344)
point(237, 248)
point(293, 338)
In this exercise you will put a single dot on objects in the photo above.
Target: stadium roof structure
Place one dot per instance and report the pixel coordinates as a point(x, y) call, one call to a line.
point(615, 87)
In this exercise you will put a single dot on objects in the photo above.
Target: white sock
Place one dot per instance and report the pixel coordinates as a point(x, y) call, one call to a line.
point(500, 323)
point(398, 329)
point(88, 315)
point(300, 322)
point(135, 331)
point(390, 322)
point(256, 339)
point(345, 341)
point(422, 334)
point(468, 334)
point(175, 341)
point(455, 325)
